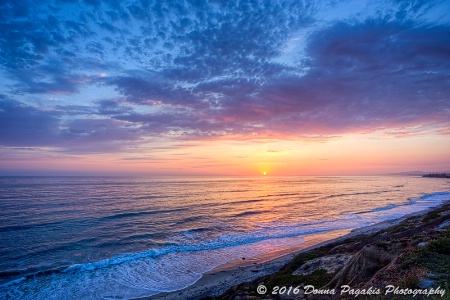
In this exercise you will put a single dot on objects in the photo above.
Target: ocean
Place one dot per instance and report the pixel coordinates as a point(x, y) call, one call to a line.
point(122, 238)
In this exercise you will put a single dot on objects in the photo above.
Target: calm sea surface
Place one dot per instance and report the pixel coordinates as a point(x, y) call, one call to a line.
point(119, 238)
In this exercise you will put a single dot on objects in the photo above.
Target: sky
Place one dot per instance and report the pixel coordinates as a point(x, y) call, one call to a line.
point(288, 87)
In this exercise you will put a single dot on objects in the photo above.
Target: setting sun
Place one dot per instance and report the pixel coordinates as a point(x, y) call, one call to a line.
point(264, 173)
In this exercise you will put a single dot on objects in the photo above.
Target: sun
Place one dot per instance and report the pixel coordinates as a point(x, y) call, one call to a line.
point(264, 173)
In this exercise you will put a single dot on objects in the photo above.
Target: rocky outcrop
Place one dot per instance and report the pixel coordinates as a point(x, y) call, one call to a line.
point(329, 263)
point(361, 267)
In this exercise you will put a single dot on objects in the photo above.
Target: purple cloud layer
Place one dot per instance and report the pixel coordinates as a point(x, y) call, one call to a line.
point(205, 69)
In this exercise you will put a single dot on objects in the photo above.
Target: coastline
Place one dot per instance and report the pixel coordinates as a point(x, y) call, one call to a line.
point(233, 273)
point(223, 277)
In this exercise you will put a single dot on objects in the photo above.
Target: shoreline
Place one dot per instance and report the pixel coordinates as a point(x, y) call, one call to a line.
point(235, 272)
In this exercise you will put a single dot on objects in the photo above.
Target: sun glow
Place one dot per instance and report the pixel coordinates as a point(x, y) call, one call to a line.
point(264, 173)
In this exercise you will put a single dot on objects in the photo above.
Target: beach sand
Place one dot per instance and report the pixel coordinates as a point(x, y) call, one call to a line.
point(221, 278)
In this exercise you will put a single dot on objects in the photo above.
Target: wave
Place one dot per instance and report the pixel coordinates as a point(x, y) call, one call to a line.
point(356, 194)
point(387, 207)
point(189, 219)
point(243, 201)
point(249, 213)
point(221, 242)
point(140, 213)
point(29, 226)
point(438, 197)
point(281, 194)
point(174, 266)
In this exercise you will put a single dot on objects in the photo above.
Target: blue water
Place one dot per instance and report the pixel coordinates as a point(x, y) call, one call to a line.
point(121, 238)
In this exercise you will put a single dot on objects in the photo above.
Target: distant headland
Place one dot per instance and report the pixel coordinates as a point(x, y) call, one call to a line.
point(437, 175)
point(423, 174)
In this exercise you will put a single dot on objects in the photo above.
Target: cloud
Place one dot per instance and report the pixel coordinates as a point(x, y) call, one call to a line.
point(27, 126)
point(210, 70)
point(22, 125)
point(96, 136)
point(362, 76)
point(367, 76)
point(111, 108)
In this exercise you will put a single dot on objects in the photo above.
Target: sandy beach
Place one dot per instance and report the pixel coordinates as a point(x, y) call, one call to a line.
point(247, 269)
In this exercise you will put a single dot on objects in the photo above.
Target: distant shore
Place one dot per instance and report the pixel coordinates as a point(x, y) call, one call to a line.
point(242, 276)
point(437, 175)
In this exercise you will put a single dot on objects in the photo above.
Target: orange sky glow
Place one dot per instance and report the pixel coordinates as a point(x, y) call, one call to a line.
point(363, 154)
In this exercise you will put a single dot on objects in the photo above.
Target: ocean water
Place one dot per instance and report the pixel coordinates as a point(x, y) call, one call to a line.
point(121, 238)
